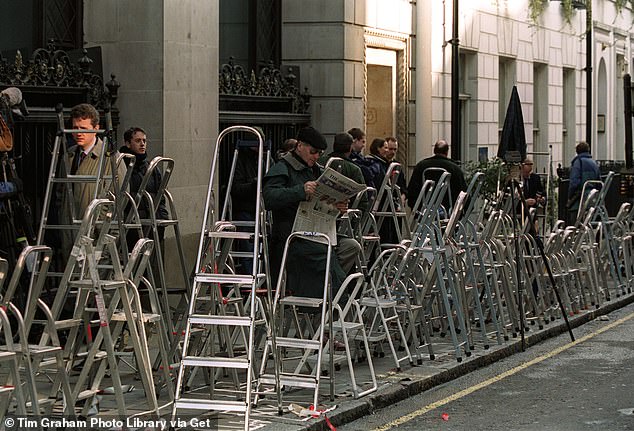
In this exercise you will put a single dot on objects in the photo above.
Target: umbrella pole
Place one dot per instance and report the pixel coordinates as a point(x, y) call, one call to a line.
point(540, 247)
point(513, 185)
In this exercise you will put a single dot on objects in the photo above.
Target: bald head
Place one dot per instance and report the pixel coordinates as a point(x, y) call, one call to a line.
point(441, 148)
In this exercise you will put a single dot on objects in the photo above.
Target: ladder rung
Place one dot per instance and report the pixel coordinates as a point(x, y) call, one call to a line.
point(300, 301)
point(5, 389)
point(243, 254)
point(80, 179)
point(296, 343)
point(224, 278)
point(166, 222)
point(202, 319)
point(61, 227)
point(231, 235)
point(297, 381)
point(216, 405)
point(217, 362)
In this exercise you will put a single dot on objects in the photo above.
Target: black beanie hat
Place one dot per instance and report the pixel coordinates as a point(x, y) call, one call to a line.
point(311, 136)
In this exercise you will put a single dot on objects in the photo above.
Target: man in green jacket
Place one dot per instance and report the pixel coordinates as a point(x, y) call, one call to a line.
point(289, 182)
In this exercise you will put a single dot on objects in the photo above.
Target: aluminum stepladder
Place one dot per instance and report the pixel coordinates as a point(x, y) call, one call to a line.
point(475, 279)
point(10, 387)
point(148, 227)
point(388, 207)
point(604, 227)
point(279, 338)
point(439, 272)
point(173, 320)
point(82, 275)
point(378, 301)
point(364, 227)
point(36, 359)
point(434, 174)
point(213, 251)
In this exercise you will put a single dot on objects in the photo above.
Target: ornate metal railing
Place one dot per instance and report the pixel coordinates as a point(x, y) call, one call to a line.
point(268, 91)
point(270, 100)
point(52, 68)
point(47, 78)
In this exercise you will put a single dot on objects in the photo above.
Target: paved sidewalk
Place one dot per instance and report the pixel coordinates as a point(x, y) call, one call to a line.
point(394, 387)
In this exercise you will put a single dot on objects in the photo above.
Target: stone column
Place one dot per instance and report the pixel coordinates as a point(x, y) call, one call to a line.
point(165, 55)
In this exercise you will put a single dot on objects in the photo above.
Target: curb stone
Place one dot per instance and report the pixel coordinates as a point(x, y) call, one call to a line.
point(351, 410)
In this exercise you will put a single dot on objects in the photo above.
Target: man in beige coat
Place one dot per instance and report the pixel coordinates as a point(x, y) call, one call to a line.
point(84, 158)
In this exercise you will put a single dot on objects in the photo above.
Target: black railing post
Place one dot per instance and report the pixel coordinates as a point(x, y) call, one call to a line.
point(627, 101)
point(456, 145)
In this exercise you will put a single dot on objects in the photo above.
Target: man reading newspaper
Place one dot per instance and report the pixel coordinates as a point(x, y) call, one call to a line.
point(296, 183)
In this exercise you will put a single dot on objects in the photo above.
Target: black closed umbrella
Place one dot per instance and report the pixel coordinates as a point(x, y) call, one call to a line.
point(512, 146)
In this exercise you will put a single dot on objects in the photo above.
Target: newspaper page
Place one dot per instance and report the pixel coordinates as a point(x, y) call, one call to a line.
point(320, 213)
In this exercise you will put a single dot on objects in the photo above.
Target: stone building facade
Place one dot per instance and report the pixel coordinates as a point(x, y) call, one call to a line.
point(382, 65)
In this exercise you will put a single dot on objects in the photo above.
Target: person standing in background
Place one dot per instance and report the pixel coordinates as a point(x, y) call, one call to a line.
point(582, 168)
point(135, 140)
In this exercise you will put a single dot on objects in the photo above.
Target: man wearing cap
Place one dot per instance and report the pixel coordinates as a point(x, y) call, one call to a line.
point(289, 182)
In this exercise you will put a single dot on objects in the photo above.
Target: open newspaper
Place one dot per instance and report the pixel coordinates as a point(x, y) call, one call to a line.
point(320, 213)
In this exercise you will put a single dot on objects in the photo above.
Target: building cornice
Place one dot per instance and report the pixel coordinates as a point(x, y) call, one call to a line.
point(384, 39)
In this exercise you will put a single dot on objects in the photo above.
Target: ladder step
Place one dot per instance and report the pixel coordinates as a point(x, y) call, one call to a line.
point(87, 394)
point(35, 350)
point(80, 179)
point(296, 343)
point(105, 284)
point(217, 362)
point(371, 238)
point(231, 235)
point(67, 323)
point(7, 356)
point(99, 355)
point(5, 389)
point(42, 402)
point(145, 317)
point(202, 319)
point(225, 278)
point(300, 301)
point(215, 405)
point(375, 338)
point(243, 254)
point(372, 302)
point(297, 381)
point(350, 326)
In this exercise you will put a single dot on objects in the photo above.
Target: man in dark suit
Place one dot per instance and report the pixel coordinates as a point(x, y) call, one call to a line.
point(533, 189)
